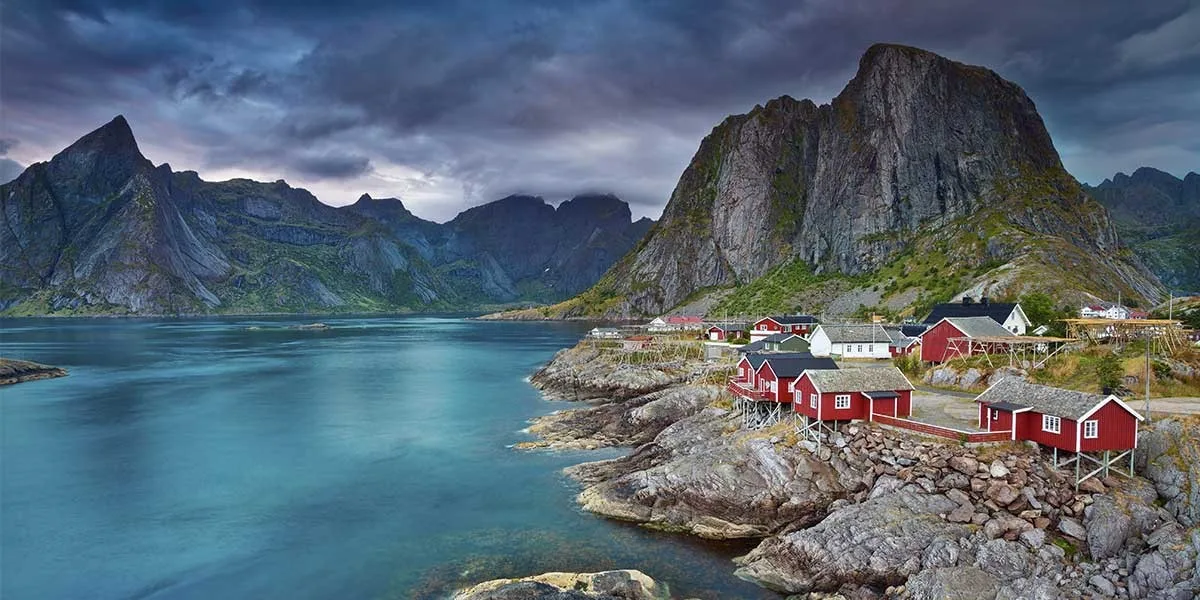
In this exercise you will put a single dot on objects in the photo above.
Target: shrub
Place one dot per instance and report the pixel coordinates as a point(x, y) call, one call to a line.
point(1109, 372)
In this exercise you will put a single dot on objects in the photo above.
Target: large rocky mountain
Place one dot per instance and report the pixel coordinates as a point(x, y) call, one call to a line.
point(99, 229)
point(1158, 215)
point(923, 179)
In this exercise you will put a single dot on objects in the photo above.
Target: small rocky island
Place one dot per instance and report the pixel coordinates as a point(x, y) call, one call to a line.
point(16, 371)
point(873, 512)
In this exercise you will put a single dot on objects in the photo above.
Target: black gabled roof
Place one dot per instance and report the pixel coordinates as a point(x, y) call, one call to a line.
point(793, 319)
point(780, 337)
point(758, 358)
point(914, 330)
point(792, 364)
point(753, 347)
point(998, 311)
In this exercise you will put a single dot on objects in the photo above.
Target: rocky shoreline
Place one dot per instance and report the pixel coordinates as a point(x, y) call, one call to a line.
point(874, 513)
point(14, 371)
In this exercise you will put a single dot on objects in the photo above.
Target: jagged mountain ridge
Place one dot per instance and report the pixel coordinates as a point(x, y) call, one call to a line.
point(1158, 215)
point(100, 229)
point(917, 155)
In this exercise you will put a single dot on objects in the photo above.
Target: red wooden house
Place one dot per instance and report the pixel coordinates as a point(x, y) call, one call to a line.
point(763, 384)
point(798, 324)
point(953, 337)
point(1057, 418)
point(721, 332)
point(759, 376)
point(852, 394)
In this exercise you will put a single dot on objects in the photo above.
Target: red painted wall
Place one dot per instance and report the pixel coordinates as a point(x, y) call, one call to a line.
point(765, 375)
point(1029, 427)
point(860, 405)
point(773, 327)
point(884, 406)
point(859, 408)
point(804, 387)
point(1118, 429)
point(904, 405)
point(743, 370)
point(1002, 422)
point(767, 325)
point(935, 341)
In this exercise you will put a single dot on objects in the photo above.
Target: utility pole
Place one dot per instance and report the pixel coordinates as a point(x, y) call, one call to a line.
point(1147, 377)
point(1170, 305)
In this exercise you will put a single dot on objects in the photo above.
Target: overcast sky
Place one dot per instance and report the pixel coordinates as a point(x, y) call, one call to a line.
point(449, 104)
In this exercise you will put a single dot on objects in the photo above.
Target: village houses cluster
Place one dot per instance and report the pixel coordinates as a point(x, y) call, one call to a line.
point(790, 369)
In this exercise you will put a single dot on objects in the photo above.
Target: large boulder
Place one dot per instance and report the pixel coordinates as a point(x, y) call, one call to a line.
point(881, 542)
point(1169, 455)
point(632, 421)
point(607, 585)
point(703, 476)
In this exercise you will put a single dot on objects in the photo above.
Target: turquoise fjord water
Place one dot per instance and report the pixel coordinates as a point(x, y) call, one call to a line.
point(201, 458)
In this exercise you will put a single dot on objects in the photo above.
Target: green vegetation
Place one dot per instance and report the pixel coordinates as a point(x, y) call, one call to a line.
point(1089, 369)
point(1108, 372)
point(773, 292)
point(1040, 309)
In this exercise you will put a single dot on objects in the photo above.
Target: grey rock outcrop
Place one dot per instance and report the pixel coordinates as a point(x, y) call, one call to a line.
point(692, 479)
point(1169, 456)
point(914, 143)
point(880, 542)
point(606, 585)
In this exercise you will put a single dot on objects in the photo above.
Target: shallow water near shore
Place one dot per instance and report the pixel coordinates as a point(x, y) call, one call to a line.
point(240, 458)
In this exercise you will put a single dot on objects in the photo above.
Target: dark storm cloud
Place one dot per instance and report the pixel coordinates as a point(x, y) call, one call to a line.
point(452, 103)
point(334, 167)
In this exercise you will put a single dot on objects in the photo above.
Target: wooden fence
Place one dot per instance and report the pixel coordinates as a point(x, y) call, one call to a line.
point(970, 437)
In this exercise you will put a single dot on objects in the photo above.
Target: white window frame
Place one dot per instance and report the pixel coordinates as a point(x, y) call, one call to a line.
point(870, 348)
point(995, 414)
point(812, 400)
point(1051, 424)
point(841, 401)
point(859, 349)
point(1094, 425)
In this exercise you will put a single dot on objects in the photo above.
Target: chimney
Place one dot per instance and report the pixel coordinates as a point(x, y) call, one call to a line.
point(967, 301)
point(983, 300)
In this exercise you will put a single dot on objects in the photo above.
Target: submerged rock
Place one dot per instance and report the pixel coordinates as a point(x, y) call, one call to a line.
point(606, 585)
point(16, 371)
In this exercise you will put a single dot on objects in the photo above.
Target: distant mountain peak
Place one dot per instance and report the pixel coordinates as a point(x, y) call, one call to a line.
point(114, 136)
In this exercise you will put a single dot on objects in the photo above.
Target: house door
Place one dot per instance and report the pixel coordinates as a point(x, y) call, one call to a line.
point(714, 336)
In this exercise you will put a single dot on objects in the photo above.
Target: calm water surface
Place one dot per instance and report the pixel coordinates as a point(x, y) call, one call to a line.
point(207, 459)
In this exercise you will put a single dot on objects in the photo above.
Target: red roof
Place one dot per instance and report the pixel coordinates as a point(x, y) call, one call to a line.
point(1138, 314)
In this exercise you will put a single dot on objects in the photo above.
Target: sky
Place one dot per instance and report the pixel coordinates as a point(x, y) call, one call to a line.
point(449, 104)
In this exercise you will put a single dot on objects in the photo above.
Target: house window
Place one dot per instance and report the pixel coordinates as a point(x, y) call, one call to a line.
point(1051, 424)
point(812, 400)
point(860, 348)
point(841, 401)
point(1091, 429)
point(870, 347)
point(995, 415)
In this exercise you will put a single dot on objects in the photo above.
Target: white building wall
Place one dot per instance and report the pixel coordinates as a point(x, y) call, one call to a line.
point(818, 343)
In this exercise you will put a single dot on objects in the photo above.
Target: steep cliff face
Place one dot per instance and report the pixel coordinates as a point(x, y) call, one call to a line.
point(99, 229)
point(1158, 215)
point(913, 145)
